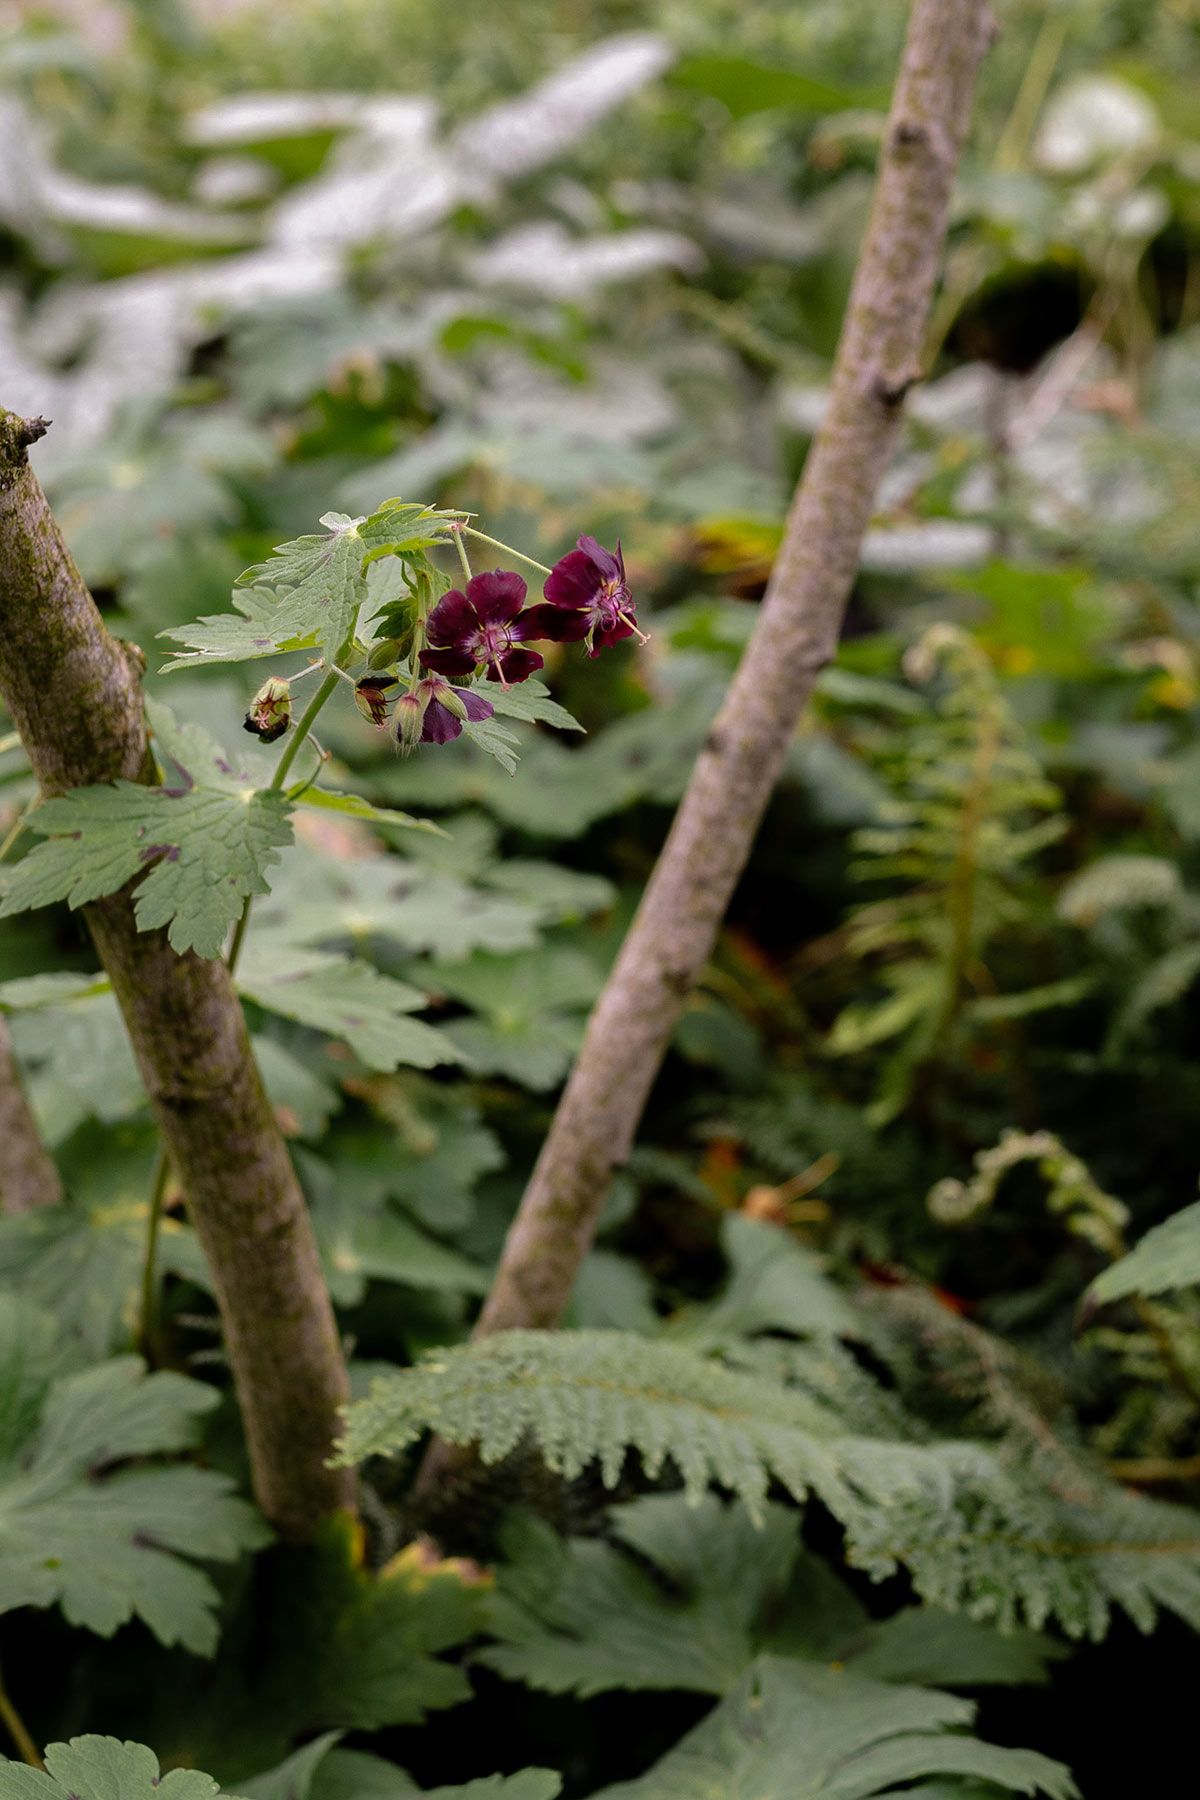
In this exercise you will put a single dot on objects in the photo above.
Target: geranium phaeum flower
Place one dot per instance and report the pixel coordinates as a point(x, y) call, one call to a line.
point(587, 598)
point(433, 713)
point(448, 707)
point(483, 626)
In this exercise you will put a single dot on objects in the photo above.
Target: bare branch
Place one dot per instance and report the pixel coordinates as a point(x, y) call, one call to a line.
point(675, 928)
point(75, 696)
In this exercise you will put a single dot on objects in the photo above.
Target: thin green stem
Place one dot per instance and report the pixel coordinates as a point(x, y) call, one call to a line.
point(1039, 72)
point(17, 827)
point(149, 1331)
point(239, 934)
point(507, 548)
point(303, 728)
point(18, 1730)
point(462, 548)
point(9, 741)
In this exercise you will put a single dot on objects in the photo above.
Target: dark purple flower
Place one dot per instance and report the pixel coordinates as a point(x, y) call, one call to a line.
point(434, 713)
point(484, 625)
point(448, 707)
point(587, 599)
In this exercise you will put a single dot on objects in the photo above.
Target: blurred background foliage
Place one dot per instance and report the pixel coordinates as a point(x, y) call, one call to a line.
point(581, 267)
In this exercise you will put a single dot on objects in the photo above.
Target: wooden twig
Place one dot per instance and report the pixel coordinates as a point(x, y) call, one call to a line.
point(675, 928)
point(74, 693)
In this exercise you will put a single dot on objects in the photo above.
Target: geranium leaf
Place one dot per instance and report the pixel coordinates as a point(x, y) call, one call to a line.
point(790, 1730)
point(205, 838)
point(108, 1547)
point(348, 999)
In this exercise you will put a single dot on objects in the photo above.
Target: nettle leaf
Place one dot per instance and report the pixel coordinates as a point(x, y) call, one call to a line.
point(791, 1730)
point(102, 1768)
point(205, 837)
point(346, 999)
point(109, 1546)
point(1167, 1257)
point(583, 1616)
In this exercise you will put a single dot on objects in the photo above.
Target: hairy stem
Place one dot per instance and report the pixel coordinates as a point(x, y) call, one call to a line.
point(28, 1177)
point(796, 636)
point(75, 697)
point(303, 726)
point(462, 552)
point(483, 538)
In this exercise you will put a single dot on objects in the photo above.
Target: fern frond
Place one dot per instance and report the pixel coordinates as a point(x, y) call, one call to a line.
point(594, 1395)
point(993, 1529)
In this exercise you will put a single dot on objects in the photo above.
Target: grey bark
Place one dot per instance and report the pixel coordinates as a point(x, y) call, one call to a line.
point(28, 1177)
point(75, 696)
point(673, 933)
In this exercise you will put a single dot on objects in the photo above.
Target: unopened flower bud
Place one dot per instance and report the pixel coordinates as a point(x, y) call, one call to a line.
point(371, 696)
point(408, 721)
point(437, 689)
point(384, 653)
point(270, 711)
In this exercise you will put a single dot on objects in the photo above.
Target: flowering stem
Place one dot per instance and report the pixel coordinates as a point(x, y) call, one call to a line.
point(303, 727)
point(507, 548)
point(17, 827)
point(462, 548)
point(795, 637)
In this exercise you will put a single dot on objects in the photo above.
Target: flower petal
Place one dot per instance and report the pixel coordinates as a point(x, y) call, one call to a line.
point(516, 664)
point(477, 707)
point(555, 623)
point(612, 634)
point(452, 619)
point(440, 724)
point(497, 596)
point(612, 568)
point(574, 580)
point(448, 662)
